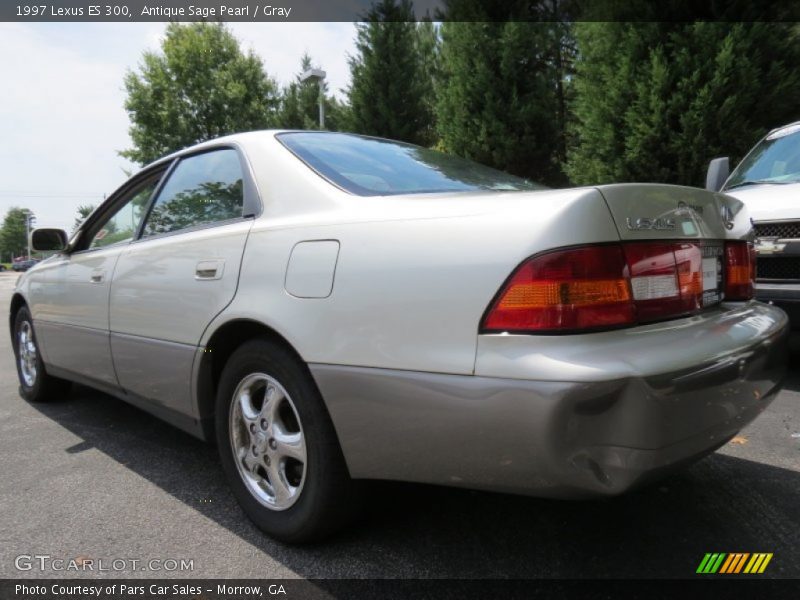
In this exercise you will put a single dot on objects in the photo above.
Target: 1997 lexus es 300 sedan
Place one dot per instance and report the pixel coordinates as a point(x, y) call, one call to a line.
point(333, 308)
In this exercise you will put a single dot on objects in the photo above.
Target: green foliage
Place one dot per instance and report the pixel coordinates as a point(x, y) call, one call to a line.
point(428, 48)
point(200, 86)
point(206, 203)
point(656, 101)
point(122, 226)
point(299, 107)
point(502, 99)
point(84, 210)
point(390, 91)
point(13, 234)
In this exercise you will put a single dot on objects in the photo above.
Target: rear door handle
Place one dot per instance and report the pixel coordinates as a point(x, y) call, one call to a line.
point(98, 276)
point(209, 270)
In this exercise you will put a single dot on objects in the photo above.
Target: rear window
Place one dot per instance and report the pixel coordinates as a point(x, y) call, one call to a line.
point(376, 167)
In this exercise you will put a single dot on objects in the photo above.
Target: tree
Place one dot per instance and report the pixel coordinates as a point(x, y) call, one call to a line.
point(299, 107)
point(501, 98)
point(206, 203)
point(428, 46)
point(655, 101)
point(199, 87)
point(13, 232)
point(389, 93)
point(84, 210)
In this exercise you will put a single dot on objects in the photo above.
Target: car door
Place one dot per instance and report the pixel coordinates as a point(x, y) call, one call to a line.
point(182, 271)
point(70, 306)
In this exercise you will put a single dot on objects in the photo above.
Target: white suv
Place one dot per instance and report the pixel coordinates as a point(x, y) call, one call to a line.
point(768, 182)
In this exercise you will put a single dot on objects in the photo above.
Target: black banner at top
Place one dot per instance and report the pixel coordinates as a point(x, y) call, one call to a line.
point(186, 10)
point(356, 10)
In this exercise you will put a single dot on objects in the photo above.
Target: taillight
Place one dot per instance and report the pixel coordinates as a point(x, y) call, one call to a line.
point(740, 270)
point(597, 287)
point(654, 279)
point(582, 288)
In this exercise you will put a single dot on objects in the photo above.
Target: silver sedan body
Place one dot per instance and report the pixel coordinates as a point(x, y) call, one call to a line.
point(382, 297)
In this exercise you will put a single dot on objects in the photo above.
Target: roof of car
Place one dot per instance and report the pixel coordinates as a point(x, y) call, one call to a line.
point(246, 135)
point(232, 138)
point(783, 127)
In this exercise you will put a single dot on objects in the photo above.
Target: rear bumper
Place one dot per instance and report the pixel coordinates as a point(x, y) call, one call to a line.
point(596, 436)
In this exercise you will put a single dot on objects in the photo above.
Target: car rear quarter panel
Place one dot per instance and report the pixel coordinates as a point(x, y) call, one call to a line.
point(413, 276)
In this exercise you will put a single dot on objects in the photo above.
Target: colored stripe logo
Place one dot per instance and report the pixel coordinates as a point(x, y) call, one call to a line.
point(734, 563)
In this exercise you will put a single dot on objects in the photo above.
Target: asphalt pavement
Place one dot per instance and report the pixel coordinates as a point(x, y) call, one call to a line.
point(91, 477)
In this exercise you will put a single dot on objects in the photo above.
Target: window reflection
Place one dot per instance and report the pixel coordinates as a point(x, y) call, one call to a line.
point(206, 188)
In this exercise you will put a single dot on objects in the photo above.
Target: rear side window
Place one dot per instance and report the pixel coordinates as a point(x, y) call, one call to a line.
point(205, 188)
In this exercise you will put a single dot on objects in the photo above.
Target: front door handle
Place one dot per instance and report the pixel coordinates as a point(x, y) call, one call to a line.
point(209, 270)
point(98, 276)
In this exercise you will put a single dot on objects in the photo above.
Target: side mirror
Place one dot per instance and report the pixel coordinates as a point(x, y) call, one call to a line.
point(48, 240)
point(718, 171)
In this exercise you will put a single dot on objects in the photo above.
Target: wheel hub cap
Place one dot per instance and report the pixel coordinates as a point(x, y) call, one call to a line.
point(27, 354)
point(267, 441)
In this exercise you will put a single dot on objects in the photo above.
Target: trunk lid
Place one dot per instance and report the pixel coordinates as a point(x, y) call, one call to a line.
point(669, 212)
point(695, 222)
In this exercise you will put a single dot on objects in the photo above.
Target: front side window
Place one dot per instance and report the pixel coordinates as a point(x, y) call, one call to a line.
point(202, 189)
point(121, 226)
point(375, 167)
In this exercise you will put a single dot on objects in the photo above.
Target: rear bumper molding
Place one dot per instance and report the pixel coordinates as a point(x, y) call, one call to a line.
point(549, 438)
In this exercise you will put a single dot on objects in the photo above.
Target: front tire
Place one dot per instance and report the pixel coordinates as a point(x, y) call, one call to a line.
point(35, 385)
point(278, 446)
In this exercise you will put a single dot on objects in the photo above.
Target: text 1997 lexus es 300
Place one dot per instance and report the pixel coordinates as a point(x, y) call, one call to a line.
point(332, 308)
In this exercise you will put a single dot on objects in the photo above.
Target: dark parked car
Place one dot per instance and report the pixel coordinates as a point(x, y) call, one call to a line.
point(24, 265)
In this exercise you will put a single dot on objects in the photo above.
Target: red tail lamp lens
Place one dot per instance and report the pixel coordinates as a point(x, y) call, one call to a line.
point(654, 280)
point(609, 286)
point(583, 288)
point(740, 270)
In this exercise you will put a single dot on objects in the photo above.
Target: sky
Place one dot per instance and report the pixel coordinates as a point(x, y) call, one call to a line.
point(62, 119)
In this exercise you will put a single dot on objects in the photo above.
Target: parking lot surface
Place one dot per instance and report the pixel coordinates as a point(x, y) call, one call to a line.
point(92, 477)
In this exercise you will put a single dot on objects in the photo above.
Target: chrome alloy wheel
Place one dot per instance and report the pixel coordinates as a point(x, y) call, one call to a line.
point(267, 441)
point(27, 354)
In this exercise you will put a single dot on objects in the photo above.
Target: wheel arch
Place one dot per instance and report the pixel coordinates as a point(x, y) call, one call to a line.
point(17, 302)
point(215, 354)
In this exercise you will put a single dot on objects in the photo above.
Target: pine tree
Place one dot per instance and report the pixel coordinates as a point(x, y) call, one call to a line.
point(500, 101)
point(300, 103)
point(428, 49)
point(390, 92)
point(655, 101)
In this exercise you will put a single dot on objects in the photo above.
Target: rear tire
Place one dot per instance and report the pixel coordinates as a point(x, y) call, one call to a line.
point(278, 446)
point(35, 385)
